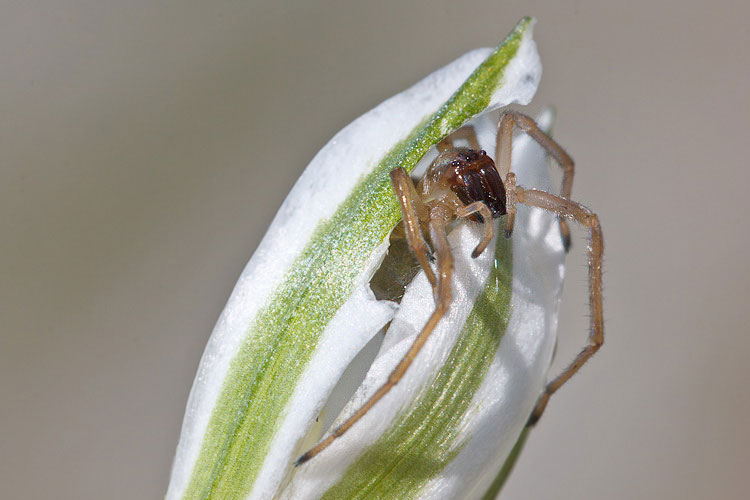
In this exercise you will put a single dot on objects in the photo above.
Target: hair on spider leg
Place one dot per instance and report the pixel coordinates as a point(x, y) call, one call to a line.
point(465, 183)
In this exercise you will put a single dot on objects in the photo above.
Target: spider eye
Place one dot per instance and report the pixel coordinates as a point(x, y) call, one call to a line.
point(483, 152)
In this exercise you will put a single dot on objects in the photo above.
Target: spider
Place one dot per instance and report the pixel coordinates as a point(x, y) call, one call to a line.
point(465, 183)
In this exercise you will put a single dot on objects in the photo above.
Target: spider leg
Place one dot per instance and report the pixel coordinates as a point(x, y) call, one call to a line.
point(484, 211)
point(466, 132)
point(510, 204)
point(413, 211)
point(572, 210)
point(528, 125)
point(438, 219)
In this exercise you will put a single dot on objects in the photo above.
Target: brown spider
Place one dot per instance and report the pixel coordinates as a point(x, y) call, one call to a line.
point(464, 182)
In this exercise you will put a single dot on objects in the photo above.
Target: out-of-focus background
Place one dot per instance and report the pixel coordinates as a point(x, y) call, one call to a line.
point(145, 146)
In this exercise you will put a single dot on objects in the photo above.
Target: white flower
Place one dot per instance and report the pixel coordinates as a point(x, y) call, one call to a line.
point(303, 309)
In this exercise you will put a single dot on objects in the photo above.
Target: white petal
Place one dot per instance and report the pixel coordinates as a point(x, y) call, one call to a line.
point(502, 404)
point(321, 191)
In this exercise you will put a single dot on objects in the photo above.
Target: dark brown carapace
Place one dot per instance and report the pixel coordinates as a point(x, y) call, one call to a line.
point(472, 176)
point(465, 183)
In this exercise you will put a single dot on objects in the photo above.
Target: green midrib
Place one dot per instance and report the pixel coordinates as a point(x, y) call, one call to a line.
point(424, 439)
point(497, 484)
point(277, 347)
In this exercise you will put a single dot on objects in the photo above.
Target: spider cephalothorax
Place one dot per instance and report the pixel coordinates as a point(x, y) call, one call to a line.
point(471, 175)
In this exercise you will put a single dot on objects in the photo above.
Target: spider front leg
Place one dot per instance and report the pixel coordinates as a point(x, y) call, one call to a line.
point(438, 219)
point(482, 209)
point(413, 211)
point(505, 145)
point(466, 133)
point(570, 209)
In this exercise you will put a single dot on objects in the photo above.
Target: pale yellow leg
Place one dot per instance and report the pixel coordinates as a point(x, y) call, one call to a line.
point(572, 210)
point(438, 220)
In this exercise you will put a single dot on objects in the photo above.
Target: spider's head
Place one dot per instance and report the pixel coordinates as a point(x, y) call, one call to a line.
point(472, 176)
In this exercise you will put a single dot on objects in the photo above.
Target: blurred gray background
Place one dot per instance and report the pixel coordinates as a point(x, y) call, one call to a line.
point(145, 146)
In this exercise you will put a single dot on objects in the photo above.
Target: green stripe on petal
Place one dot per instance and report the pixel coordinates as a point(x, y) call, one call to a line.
point(425, 438)
point(497, 484)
